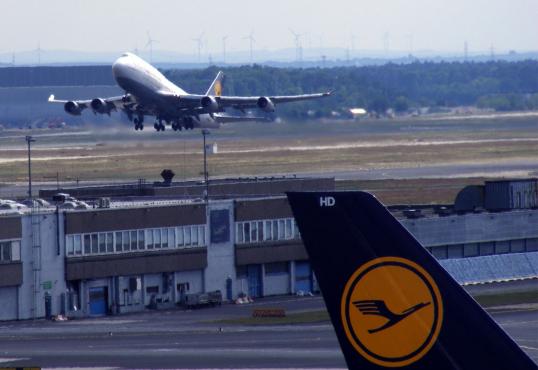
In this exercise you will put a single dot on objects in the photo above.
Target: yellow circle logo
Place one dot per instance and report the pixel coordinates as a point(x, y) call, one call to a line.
point(218, 88)
point(392, 311)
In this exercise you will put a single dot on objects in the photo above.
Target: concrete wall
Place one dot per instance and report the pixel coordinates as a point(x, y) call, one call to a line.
point(9, 303)
point(195, 279)
point(42, 255)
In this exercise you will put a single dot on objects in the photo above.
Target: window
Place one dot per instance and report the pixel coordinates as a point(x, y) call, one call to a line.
point(134, 240)
point(152, 289)
point(502, 247)
point(69, 245)
point(118, 242)
point(487, 248)
point(517, 246)
point(95, 247)
point(187, 235)
point(253, 231)
point(267, 230)
point(164, 238)
point(289, 230)
point(201, 230)
point(5, 251)
point(171, 238)
point(157, 238)
point(297, 234)
point(125, 237)
point(440, 252)
point(102, 242)
point(276, 268)
point(240, 236)
point(149, 239)
point(110, 242)
point(470, 250)
point(179, 236)
point(455, 251)
point(78, 244)
point(281, 230)
point(275, 230)
point(194, 235)
point(260, 231)
point(246, 228)
point(87, 244)
point(531, 245)
point(141, 242)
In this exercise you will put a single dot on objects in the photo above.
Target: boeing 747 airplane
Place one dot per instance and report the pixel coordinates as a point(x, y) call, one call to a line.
point(149, 93)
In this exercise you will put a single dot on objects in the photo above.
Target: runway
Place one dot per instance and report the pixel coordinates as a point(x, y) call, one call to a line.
point(192, 339)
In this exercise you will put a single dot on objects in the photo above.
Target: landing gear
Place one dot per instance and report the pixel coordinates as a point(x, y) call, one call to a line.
point(139, 122)
point(189, 123)
point(159, 126)
point(176, 126)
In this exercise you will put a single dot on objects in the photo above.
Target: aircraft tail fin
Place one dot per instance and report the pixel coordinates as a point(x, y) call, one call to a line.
point(216, 87)
point(391, 303)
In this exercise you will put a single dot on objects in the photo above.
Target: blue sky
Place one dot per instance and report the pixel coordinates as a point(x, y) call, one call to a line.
point(99, 25)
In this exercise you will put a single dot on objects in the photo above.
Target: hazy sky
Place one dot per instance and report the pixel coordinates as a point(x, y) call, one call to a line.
point(99, 25)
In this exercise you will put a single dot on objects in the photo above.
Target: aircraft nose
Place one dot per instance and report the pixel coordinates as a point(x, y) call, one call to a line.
point(118, 67)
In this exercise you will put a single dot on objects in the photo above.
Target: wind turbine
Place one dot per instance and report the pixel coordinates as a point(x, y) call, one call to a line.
point(150, 44)
point(353, 38)
point(224, 38)
point(199, 44)
point(251, 40)
point(298, 46)
point(38, 52)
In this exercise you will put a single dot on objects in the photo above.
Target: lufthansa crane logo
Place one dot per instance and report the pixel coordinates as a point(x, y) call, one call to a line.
point(391, 311)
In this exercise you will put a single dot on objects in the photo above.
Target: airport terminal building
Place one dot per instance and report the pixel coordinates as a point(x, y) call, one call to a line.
point(130, 253)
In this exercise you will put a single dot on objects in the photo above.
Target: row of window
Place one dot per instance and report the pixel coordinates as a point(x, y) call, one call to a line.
point(266, 230)
point(484, 248)
point(10, 250)
point(135, 240)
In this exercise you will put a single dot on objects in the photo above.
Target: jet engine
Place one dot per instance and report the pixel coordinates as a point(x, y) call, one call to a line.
point(210, 103)
point(265, 104)
point(73, 108)
point(100, 106)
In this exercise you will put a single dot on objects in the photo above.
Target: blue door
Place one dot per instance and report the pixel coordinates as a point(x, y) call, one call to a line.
point(254, 273)
point(303, 277)
point(98, 300)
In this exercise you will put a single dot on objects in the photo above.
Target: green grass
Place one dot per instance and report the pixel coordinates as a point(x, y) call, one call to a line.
point(308, 317)
point(491, 300)
point(312, 317)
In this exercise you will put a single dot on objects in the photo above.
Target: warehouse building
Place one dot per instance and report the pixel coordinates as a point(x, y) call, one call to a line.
point(150, 253)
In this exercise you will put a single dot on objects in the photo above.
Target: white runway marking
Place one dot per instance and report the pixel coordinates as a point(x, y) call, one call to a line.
point(2, 360)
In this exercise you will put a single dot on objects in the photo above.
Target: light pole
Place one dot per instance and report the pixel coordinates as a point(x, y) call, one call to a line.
point(206, 175)
point(29, 141)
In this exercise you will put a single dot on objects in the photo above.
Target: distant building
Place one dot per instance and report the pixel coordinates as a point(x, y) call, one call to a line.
point(130, 252)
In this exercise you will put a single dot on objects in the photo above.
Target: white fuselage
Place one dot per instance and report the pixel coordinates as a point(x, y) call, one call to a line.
point(148, 86)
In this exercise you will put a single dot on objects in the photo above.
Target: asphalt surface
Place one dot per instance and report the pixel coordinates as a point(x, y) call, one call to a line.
point(192, 339)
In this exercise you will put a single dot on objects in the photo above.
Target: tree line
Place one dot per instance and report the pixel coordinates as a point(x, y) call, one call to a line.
point(499, 85)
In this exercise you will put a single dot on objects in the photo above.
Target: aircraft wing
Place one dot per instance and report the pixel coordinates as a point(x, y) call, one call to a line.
point(98, 105)
point(253, 101)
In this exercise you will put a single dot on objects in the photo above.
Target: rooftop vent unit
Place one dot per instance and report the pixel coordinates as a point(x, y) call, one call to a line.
point(167, 176)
